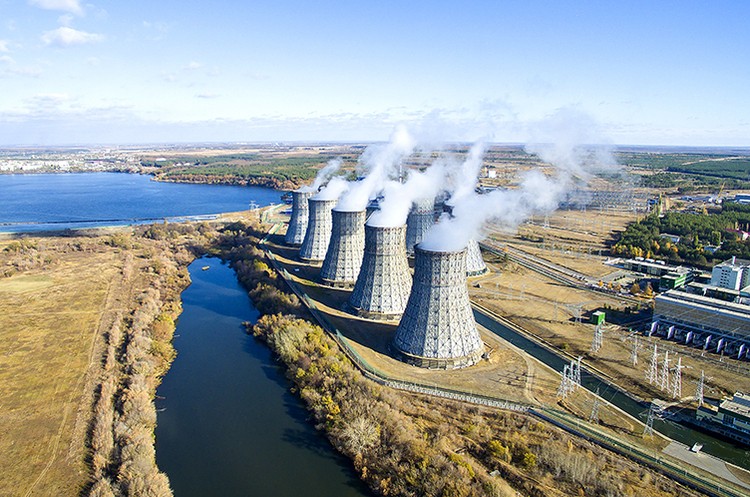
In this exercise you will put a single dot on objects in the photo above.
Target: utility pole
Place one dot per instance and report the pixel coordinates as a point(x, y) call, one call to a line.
point(664, 377)
point(594, 416)
point(699, 390)
point(653, 367)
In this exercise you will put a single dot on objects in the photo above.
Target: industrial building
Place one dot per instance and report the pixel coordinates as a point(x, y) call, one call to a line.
point(703, 322)
point(733, 274)
point(730, 417)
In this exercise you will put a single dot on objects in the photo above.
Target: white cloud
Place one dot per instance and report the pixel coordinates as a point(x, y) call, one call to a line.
point(66, 37)
point(4, 46)
point(72, 6)
point(193, 66)
point(65, 19)
point(208, 95)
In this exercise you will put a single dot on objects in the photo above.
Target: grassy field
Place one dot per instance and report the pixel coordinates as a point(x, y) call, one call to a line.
point(50, 318)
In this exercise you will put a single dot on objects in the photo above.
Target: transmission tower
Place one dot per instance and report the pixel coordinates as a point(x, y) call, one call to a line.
point(565, 384)
point(677, 379)
point(634, 352)
point(594, 416)
point(664, 377)
point(653, 367)
point(653, 411)
point(699, 390)
point(577, 375)
point(596, 343)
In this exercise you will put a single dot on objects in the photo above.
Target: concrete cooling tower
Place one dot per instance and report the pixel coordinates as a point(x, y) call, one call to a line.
point(382, 288)
point(345, 250)
point(438, 330)
point(295, 233)
point(319, 224)
point(475, 265)
point(418, 223)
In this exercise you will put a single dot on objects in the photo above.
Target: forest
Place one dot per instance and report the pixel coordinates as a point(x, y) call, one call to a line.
point(696, 232)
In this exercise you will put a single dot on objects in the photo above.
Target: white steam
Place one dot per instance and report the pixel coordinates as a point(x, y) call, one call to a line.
point(323, 176)
point(566, 145)
point(463, 179)
point(398, 197)
point(333, 190)
point(378, 163)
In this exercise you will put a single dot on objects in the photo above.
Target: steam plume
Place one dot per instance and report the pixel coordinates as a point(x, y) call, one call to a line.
point(333, 190)
point(398, 197)
point(379, 164)
point(323, 176)
point(573, 162)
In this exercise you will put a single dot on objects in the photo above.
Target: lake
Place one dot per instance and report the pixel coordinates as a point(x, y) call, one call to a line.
point(40, 202)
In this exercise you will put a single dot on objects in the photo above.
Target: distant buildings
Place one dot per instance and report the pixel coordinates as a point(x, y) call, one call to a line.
point(703, 322)
point(731, 417)
point(733, 274)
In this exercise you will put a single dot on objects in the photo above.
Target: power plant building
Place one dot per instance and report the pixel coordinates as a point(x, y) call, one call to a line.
point(438, 330)
point(733, 274)
point(345, 249)
point(703, 322)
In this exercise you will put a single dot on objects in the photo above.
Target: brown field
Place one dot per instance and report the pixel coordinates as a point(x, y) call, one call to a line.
point(510, 289)
point(509, 373)
point(50, 319)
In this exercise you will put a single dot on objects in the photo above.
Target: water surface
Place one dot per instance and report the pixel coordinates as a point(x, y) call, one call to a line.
point(228, 425)
point(38, 202)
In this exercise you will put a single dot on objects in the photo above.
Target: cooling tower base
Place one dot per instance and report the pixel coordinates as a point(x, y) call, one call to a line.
point(373, 316)
point(344, 285)
point(444, 363)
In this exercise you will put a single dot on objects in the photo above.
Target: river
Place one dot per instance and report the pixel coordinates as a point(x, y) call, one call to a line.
point(227, 423)
point(41, 202)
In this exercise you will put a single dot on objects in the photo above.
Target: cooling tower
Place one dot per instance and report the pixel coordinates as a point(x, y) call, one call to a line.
point(344, 256)
point(475, 265)
point(420, 220)
point(438, 330)
point(315, 244)
point(382, 288)
point(295, 233)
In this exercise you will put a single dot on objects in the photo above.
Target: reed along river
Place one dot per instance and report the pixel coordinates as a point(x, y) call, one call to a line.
point(227, 423)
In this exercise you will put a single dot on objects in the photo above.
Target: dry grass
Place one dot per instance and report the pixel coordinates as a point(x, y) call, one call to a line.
point(49, 322)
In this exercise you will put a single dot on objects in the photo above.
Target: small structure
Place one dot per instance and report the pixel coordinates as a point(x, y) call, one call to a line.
point(597, 318)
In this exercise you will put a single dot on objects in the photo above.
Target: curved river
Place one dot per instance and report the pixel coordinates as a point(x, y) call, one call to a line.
point(227, 423)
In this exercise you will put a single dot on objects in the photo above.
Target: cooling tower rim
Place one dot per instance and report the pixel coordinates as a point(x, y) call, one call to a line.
point(418, 248)
point(376, 226)
point(300, 190)
point(347, 211)
point(315, 199)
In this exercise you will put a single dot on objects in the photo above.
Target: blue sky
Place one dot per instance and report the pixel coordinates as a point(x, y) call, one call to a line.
point(669, 73)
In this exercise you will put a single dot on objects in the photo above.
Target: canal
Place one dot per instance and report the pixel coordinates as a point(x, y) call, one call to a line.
point(688, 436)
